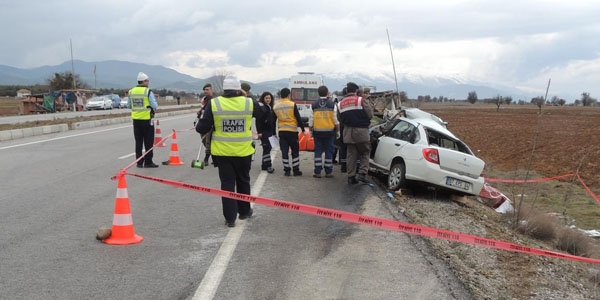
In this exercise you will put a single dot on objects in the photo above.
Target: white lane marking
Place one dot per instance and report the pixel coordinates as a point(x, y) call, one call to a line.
point(127, 155)
point(213, 276)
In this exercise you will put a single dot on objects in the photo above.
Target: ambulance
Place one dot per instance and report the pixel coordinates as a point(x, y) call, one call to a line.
point(303, 87)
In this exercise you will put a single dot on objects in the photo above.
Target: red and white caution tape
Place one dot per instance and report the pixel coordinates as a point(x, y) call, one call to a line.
point(547, 179)
point(373, 221)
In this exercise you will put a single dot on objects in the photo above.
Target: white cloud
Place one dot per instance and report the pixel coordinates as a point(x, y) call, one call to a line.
point(514, 43)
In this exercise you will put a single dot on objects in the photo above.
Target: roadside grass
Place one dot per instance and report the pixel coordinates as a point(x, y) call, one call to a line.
point(536, 224)
point(575, 242)
point(568, 200)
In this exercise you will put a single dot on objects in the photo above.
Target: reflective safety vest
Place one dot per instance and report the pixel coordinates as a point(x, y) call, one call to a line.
point(233, 120)
point(140, 103)
point(323, 118)
point(352, 112)
point(286, 120)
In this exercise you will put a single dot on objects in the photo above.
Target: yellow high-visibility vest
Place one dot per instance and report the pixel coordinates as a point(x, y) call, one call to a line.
point(233, 120)
point(286, 120)
point(138, 97)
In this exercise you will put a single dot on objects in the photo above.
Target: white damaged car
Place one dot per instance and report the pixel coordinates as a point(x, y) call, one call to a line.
point(418, 147)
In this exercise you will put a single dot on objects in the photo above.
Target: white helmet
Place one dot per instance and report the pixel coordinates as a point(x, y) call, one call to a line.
point(142, 76)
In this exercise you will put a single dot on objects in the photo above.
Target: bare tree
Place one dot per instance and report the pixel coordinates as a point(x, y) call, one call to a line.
point(403, 97)
point(498, 101)
point(217, 80)
point(66, 80)
point(586, 100)
point(472, 97)
point(539, 101)
point(508, 100)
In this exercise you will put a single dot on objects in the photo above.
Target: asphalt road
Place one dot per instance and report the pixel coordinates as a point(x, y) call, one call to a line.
point(57, 192)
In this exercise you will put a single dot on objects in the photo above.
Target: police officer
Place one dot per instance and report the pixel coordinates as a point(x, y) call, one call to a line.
point(230, 118)
point(355, 115)
point(143, 104)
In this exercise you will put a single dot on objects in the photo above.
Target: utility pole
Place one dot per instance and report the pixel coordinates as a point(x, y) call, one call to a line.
point(72, 65)
point(73, 74)
point(394, 67)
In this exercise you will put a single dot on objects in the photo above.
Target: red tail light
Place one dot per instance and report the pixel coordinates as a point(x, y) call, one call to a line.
point(431, 155)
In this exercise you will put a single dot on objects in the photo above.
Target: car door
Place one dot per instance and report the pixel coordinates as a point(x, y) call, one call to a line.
point(393, 142)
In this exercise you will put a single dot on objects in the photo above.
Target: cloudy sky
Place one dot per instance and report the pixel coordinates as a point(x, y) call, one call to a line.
point(498, 42)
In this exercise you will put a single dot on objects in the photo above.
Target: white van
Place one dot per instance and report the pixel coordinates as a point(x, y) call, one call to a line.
point(303, 87)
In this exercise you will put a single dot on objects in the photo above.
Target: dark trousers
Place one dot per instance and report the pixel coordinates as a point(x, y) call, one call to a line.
point(234, 173)
point(343, 149)
point(143, 132)
point(289, 140)
point(266, 154)
point(343, 152)
point(324, 145)
point(206, 138)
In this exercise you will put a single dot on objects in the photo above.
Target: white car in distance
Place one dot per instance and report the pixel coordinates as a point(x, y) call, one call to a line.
point(100, 102)
point(419, 147)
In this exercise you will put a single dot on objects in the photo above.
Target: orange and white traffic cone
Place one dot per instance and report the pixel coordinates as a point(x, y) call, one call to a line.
point(158, 142)
point(122, 228)
point(174, 154)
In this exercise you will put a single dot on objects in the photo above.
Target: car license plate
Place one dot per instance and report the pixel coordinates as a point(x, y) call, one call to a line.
point(458, 183)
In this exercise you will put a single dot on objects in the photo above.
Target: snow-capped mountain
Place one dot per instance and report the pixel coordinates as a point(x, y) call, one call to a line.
point(119, 74)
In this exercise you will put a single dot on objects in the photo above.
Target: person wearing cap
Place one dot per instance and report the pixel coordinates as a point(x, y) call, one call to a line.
point(355, 114)
point(366, 92)
point(246, 90)
point(287, 118)
point(230, 118)
point(143, 105)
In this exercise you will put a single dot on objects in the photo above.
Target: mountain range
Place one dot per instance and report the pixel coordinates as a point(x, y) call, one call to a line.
point(122, 74)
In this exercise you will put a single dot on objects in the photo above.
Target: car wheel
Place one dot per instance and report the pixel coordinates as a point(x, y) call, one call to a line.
point(396, 178)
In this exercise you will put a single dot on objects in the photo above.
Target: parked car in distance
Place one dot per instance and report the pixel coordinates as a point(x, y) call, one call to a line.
point(418, 147)
point(124, 103)
point(116, 100)
point(99, 102)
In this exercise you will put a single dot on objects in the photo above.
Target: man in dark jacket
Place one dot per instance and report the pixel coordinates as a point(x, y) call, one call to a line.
point(230, 118)
point(208, 94)
point(355, 114)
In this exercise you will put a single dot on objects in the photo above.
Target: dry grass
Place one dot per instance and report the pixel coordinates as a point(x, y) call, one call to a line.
point(534, 223)
point(575, 242)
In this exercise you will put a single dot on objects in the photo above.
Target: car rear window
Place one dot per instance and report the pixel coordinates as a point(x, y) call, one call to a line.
point(435, 138)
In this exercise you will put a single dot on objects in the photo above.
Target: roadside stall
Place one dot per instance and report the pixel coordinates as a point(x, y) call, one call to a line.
point(62, 100)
